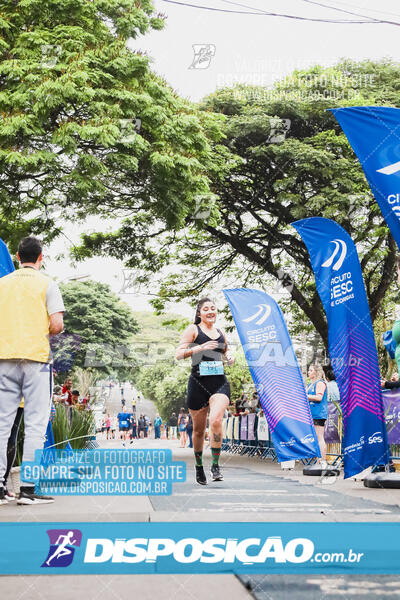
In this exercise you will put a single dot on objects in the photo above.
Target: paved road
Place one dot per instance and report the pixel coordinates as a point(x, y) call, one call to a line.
point(264, 496)
point(143, 406)
point(253, 490)
point(323, 587)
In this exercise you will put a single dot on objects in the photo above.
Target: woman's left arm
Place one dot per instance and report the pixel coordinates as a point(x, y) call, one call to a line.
point(227, 353)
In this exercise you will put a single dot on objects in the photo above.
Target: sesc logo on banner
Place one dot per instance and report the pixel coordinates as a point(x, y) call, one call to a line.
point(273, 365)
point(264, 310)
point(390, 169)
point(342, 289)
point(373, 133)
point(341, 246)
point(352, 346)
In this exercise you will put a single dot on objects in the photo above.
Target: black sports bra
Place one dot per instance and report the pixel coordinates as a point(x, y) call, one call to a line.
point(215, 354)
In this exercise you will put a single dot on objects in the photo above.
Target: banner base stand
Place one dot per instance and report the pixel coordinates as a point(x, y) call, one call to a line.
point(318, 471)
point(382, 480)
point(288, 465)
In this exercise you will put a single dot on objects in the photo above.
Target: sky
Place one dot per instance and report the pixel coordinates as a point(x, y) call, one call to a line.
point(200, 50)
point(260, 49)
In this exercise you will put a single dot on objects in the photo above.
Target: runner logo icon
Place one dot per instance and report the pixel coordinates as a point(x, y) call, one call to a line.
point(340, 246)
point(63, 543)
point(264, 310)
point(390, 169)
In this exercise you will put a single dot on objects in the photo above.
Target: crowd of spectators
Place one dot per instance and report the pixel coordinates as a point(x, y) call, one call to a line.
point(246, 404)
point(66, 395)
point(180, 427)
point(128, 425)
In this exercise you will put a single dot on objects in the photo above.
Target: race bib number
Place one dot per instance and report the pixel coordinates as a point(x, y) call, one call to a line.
point(211, 367)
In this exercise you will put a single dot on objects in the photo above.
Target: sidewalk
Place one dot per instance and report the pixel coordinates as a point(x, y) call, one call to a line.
point(109, 587)
point(123, 587)
point(253, 490)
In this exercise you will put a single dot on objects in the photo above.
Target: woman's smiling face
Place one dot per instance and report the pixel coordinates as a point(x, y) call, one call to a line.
point(208, 313)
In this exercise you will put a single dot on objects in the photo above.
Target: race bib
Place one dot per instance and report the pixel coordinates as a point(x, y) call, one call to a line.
point(211, 367)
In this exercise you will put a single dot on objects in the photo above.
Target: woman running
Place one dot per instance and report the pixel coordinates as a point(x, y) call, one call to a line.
point(108, 426)
point(317, 394)
point(182, 418)
point(208, 388)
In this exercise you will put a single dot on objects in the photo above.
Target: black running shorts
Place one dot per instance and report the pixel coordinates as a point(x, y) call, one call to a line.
point(200, 389)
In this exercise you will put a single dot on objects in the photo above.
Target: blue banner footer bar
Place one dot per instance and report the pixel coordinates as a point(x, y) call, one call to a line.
point(101, 548)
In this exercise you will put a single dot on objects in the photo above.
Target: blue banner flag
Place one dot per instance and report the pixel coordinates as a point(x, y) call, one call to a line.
point(273, 366)
point(68, 448)
point(352, 347)
point(49, 449)
point(374, 135)
point(6, 263)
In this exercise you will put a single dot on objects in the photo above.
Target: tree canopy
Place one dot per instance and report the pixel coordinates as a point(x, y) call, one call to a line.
point(164, 384)
point(160, 378)
point(86, 127)
point(289, 160)
point(98, 331)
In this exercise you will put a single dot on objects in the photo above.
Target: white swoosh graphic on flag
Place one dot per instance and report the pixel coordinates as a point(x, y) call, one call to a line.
point(262, 308)
point(390, 169)
point(339, 244)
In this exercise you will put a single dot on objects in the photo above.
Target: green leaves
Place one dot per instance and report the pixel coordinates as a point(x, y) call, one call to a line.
point(280, 173)
point(104, 325)
point(85, 123)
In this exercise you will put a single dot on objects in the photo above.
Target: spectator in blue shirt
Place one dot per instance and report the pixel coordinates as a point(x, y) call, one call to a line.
point(124, 422)
point(157, 427)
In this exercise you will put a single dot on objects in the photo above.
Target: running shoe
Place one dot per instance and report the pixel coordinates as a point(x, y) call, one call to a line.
point(201, 476)
point(3, 499)
point(32, 499)
point(9, 495)
point(216, 473)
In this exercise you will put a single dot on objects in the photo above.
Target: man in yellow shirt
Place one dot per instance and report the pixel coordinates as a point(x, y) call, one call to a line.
point(31, 309)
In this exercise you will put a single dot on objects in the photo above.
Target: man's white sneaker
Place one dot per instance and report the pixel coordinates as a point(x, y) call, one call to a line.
point(9, 495)
point(30, 498)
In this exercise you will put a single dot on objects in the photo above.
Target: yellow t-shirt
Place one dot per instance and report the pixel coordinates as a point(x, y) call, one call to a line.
point(24, 322)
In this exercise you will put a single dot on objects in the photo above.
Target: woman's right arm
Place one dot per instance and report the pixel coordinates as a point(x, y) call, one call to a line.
point(188, 337)
point(185, 350)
